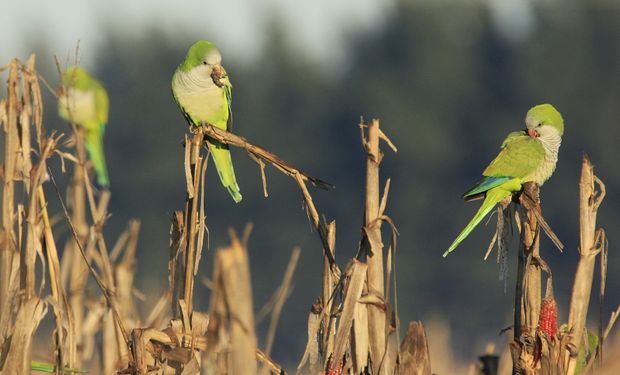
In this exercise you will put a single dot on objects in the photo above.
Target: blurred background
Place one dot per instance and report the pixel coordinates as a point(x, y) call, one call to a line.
point(448, 80)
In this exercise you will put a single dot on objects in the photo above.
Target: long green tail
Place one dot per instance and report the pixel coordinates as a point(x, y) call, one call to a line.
point(94, 146)
point(224, 166)
point(50, 367)
point(492, 197)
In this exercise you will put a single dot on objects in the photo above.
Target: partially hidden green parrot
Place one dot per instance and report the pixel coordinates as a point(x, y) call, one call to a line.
point(203, 92)
point(84, 101)
point(526, 155)
point(51, 368)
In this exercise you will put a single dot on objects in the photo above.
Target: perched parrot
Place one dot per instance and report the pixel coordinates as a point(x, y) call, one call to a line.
point(202, 90)
point(526, 155)
point(84, 101)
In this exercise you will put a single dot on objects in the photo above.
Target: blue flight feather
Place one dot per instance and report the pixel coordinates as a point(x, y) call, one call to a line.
point(487, 183)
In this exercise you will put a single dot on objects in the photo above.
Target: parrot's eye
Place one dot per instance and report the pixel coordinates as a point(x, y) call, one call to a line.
point(204, 63)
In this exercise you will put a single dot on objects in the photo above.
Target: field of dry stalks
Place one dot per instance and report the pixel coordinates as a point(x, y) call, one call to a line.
point(353, 326)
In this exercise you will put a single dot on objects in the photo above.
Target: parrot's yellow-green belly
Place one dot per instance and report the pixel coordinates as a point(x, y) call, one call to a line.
point(78, 106)
point(543, 172)
point(205, 105)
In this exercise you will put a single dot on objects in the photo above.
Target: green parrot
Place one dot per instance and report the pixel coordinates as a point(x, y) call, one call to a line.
point(202, 90)
point(84, 101)
point(526, 155)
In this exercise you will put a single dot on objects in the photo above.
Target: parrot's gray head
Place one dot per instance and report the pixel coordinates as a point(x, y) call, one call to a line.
point(212, 57)
point(544, 119)
point(204, 60)
point(202, 55)
point(545, 123)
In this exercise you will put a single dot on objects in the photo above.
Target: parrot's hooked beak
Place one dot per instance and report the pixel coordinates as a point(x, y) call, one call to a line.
point(217, 71)
point(533, 133)
point(216, 74)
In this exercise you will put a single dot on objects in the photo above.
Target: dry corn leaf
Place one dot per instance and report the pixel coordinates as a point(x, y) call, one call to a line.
point(359, 339)
point(311, 354)
point(27, 321)
point(351, 297)
point(414, 354)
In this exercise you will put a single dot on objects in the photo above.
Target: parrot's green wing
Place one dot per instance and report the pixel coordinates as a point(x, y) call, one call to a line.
point(520, 156)
point(95, 131)
point(102, 103)
point(487, 183)
point(221, 152)
point(94, 146)
point(228, 94)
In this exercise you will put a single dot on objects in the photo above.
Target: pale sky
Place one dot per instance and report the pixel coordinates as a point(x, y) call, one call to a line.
point(236, 25)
